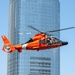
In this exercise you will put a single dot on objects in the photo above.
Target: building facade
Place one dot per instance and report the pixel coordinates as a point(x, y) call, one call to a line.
point(43, 15)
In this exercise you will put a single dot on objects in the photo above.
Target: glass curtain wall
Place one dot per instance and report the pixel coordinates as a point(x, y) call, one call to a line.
point(43, 15)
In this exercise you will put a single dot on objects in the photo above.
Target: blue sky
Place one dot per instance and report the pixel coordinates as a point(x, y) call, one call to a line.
point(67, 53)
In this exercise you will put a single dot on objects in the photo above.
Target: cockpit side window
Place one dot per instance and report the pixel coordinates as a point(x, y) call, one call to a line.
point(48, 41)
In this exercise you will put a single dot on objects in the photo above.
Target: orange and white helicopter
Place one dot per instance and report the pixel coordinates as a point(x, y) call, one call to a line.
point(40, 41)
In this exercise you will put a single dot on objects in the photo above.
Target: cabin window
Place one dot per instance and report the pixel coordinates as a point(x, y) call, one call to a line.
point(42, 41)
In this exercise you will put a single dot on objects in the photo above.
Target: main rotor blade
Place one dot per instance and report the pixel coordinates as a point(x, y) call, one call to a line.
point(34, 28)
point(61, 29)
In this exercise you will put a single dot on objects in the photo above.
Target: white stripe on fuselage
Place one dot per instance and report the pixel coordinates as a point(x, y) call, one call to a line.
point(24, 46)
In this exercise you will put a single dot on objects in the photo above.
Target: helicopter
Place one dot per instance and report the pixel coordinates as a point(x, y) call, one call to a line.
point(40, 41)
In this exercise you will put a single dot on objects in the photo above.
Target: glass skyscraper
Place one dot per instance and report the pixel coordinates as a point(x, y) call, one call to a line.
point(43, 15)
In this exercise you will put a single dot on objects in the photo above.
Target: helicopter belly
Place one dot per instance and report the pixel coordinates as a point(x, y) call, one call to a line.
point(49, 46)
point(55, 45)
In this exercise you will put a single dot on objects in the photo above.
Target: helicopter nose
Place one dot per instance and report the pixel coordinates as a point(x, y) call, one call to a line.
point(64, 43)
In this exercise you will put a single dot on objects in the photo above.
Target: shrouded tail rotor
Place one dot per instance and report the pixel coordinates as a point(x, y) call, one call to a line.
point(8, 47)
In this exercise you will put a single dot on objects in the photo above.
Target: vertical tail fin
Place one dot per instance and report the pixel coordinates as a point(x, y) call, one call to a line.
point(8, 47)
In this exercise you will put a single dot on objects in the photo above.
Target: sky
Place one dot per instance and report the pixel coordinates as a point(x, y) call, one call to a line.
point(67, 53)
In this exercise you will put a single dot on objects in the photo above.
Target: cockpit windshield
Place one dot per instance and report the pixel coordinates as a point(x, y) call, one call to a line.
point(59, 41)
